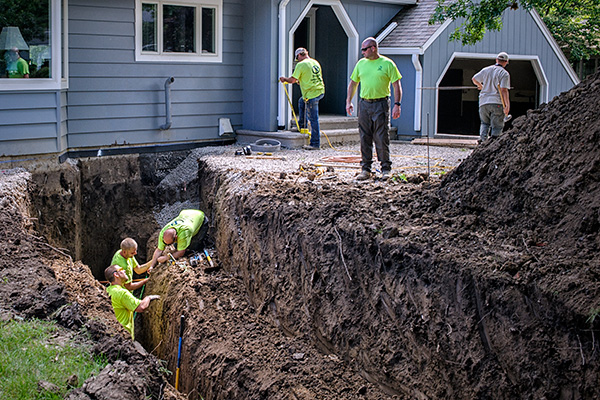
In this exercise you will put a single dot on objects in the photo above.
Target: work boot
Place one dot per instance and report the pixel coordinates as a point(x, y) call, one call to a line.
point(308, 147)
point(385, 175)
point(363, 176)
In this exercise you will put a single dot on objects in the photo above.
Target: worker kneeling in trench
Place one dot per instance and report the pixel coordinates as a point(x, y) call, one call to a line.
point(187, 229)
point(123, 301)
point(125, 258)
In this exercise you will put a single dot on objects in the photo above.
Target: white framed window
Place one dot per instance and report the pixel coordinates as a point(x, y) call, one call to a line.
point(32, 54)
point(179, 30)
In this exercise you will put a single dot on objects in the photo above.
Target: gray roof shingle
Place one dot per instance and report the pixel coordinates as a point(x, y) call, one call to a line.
point(413, 29)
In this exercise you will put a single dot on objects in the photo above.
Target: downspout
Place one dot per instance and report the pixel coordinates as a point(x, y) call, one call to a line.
point(281, 120)
point(168, 123)
point(418, 92)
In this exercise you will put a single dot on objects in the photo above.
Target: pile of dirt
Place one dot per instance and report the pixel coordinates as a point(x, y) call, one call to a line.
point(539, 184)
point(541, 178)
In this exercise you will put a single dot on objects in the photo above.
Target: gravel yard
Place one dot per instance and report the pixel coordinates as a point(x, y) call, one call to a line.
point(407, 159)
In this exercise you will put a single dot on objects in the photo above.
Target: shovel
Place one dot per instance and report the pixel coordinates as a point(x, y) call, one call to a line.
point(507, 117)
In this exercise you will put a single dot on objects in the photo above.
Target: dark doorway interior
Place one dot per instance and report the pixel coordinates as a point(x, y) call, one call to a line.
point(331, 51)
point(458, 110)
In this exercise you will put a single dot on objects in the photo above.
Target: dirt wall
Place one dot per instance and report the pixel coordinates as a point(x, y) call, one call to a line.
point(38, 280)
point(403, 294)
point(88, 206)
point(56, 203)
point(368, 291)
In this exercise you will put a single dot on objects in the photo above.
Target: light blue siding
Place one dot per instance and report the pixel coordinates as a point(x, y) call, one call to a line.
point(114, 100)
point(22, 146)
point(29, 123)
point(368, 18)
point(260, 65)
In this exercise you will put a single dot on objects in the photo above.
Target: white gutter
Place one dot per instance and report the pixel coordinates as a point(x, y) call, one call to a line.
point(282, 64)
point(386, 32)
point(414, 52)
point(418, 92)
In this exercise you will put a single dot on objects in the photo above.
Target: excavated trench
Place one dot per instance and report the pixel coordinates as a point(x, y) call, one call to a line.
point(327, 291)
point(259, 327)
point(88, 206)
point(236, 345)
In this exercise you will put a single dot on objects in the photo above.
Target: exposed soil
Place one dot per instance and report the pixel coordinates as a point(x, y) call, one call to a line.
point(38, 280)
point(482, 286)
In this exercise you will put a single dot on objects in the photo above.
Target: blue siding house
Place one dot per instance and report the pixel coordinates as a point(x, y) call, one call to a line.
point(145, 75)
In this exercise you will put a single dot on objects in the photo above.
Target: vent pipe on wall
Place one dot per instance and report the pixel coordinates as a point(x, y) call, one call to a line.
point(168, 123)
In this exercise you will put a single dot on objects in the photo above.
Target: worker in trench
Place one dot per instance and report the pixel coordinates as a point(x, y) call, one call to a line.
point(185, 232)
point(123, 301)
point(125, 258)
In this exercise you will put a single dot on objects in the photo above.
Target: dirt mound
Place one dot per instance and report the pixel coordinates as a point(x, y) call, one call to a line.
point(540, 179)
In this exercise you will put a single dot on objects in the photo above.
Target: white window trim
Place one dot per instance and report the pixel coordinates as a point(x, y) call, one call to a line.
point(56, 82)
point(217, 57)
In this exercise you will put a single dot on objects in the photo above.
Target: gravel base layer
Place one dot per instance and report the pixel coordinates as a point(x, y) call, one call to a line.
point(343, 160)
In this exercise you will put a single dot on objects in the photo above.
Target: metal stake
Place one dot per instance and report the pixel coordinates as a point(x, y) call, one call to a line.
point(428, 167)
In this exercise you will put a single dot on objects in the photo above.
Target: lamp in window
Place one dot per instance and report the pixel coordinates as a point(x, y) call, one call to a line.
point(11, 38)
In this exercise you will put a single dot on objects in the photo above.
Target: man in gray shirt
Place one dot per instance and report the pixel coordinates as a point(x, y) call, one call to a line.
point(493, 83)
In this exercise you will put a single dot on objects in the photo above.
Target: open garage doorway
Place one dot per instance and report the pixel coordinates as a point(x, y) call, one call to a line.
point(458, 110)
point(322, 23)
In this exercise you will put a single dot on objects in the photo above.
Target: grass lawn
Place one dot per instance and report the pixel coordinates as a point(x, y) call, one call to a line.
point(34, 350)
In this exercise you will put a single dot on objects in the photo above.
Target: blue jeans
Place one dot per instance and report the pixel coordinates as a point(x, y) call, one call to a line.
point(491, 116)
point(310, 110)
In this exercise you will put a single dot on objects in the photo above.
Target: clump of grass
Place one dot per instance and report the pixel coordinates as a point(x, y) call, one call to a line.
point(30, 351)
point(399, 177)
point(593, 315)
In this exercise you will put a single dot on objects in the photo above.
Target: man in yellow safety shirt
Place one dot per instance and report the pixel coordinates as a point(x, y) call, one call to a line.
point(374, 72)
point(187, 230)
point(123, 301)
point(309, 76)
point(125, 258)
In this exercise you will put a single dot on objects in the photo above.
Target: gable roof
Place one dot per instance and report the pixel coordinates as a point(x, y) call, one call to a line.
point(409, 32)
point(411, 26)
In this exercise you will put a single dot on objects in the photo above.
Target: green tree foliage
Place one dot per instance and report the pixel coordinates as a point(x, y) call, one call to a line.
point(575, 24)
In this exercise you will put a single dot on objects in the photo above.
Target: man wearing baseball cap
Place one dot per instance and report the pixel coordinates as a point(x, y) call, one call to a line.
point(308, 75)
point(494, 104)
